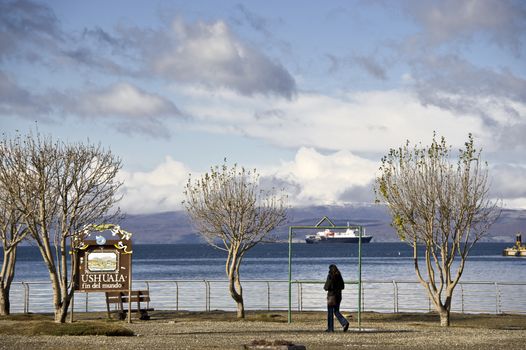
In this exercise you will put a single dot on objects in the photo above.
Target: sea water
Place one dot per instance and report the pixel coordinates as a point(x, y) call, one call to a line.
point(380, 262)
point(193, 277)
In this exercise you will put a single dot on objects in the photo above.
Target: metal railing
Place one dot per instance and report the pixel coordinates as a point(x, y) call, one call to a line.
point(206, 295)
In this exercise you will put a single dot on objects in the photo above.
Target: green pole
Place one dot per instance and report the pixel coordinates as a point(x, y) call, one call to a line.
point(290, 276)
point(360, 279)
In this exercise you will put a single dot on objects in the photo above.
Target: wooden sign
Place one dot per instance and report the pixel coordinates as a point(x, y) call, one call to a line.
point(103, 266)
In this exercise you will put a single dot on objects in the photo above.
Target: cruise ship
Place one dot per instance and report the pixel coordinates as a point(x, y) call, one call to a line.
point(348, 236)
point(519, 249)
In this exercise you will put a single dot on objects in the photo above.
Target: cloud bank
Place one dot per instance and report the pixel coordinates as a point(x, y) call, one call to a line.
point(311, 178)
point(501, 21)
point(210, 54)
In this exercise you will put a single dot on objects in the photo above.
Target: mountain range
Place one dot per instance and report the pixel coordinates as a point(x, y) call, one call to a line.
point(175, 226)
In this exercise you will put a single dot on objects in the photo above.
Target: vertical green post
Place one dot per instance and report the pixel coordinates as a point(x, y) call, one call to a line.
point(290, 276)
point(360, 278)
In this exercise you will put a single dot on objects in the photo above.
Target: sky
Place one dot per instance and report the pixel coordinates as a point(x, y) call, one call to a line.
point(310, 93)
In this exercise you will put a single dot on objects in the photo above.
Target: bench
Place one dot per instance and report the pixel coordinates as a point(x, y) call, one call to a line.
point(120, 302)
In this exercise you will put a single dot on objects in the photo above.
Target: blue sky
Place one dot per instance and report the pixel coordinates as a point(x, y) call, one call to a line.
point(310, 93)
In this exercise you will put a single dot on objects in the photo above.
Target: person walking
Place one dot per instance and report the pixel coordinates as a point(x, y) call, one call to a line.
point(334, 286)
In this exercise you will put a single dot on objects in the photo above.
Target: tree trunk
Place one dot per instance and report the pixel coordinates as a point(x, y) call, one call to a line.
point(236, 292)
point(62, 299)
point(240, 302)
point(6, 277)
point(59, 299)
point(234, 285)
point(240, 309)
point(4, 301)
point(61, 312)
point(444, 317)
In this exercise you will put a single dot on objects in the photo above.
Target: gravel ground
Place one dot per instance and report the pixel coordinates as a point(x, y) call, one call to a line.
point(200, 331)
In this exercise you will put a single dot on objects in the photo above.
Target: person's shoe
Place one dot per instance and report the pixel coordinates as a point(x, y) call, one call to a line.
point(329, 330)
point(346, 327)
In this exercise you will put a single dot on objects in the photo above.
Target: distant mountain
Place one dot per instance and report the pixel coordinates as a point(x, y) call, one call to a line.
point(158, 228)
point(175, 227)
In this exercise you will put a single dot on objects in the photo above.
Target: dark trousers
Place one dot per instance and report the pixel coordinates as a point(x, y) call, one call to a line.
point(334, 311)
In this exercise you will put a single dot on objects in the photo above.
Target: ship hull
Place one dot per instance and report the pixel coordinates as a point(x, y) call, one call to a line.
point(338, 240)
point(514, 252)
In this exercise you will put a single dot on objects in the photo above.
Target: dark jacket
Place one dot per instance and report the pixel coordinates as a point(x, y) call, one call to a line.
point(334, 286)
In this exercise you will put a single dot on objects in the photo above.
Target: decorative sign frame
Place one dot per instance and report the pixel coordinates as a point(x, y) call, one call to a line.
point(103, 265)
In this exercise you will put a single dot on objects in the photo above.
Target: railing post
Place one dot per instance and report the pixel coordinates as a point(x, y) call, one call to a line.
point(299, 295)
point(395, 297)
point(209, 293)
point(268, 296)
point(148, 289)
point(497, 299)
point(26, 297)
point(86, 301)
point(363, 296)
point(176, 296)
point(206, 295)
point(462, 297)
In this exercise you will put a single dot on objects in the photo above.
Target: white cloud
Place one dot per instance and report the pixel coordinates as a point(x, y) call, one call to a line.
point(130, 109)
point(158, 190)
point(515, 203)
point(311, 178)
point(503, 21)
point(127, 108)
point(509, 182)
point(371, 121)
point(210, 54)
point(319, 179)
point(125, 100)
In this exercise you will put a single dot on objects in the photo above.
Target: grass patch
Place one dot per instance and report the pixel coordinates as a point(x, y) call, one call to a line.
point(79, 328)
point(268, 317)
point(219, 315)
point(488, 321)
point(27, 317)
point(45, 327)
point(431, 319)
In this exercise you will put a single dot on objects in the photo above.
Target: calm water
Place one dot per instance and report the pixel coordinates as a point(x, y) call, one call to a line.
point(381, 261)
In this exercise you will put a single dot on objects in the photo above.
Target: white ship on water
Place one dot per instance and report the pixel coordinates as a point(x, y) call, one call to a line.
point(350, 235)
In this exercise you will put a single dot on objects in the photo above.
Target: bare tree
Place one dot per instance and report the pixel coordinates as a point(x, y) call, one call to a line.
point(233, 214)
point(439, 206)
point(12, 232)
point(60, 189)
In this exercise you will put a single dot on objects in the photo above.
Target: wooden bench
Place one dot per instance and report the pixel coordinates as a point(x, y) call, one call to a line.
point(120, 302)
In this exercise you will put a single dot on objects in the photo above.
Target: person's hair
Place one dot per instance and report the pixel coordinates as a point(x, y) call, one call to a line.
point(333, 270)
